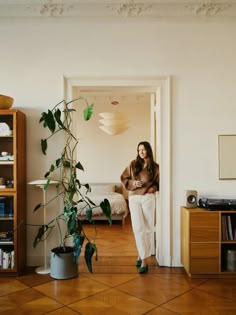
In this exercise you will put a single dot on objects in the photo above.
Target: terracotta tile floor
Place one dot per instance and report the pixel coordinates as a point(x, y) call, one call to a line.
point(116, 288)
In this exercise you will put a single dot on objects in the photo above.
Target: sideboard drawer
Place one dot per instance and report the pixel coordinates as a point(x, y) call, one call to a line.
point(204, 258)
point(204, 227)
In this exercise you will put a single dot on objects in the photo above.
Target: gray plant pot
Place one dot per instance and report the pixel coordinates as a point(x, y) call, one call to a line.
point(62, 264)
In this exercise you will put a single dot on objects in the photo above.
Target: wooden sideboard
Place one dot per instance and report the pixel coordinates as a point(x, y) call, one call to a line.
point(208, 242)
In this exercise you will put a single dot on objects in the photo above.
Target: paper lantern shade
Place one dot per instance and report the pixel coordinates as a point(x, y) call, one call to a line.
point(113, 123)
point(113, 115)
point(114, 130)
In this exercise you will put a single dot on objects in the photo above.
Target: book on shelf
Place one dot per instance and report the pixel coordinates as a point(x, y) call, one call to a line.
point(229, 225)
point(224, 228)
point(6, 259)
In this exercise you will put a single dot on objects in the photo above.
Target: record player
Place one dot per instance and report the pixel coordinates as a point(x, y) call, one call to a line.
point(217, 203)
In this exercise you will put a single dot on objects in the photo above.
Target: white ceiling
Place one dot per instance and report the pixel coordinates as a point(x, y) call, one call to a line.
point(158, 10)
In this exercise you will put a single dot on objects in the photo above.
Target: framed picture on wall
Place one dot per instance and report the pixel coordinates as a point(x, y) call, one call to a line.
point(227, 156)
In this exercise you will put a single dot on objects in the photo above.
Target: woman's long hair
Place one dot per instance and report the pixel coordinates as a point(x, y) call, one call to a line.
point(138, 166)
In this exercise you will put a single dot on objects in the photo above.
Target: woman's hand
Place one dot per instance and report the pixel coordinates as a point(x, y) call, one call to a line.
point(138, 183)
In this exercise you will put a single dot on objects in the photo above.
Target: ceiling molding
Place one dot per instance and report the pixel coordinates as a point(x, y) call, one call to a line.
point(120, 9)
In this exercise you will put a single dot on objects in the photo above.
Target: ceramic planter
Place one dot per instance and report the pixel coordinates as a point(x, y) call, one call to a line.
point(62, 264)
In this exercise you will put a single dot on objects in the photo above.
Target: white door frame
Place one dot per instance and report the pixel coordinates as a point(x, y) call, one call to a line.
point(162, 84)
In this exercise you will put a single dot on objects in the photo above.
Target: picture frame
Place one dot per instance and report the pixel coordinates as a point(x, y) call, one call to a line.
point(227, 156)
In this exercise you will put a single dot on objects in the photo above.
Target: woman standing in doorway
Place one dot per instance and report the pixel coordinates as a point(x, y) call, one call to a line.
point(141, 179)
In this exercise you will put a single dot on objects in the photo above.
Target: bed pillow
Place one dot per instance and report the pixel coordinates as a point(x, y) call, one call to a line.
point(102, 189)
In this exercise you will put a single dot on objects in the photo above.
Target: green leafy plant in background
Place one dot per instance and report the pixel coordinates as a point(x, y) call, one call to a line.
point(64, 170)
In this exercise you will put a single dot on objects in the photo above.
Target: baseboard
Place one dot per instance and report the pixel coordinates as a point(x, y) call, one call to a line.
point(33, 261)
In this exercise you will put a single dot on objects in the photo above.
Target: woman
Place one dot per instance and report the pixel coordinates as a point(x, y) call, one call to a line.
point(141, 179)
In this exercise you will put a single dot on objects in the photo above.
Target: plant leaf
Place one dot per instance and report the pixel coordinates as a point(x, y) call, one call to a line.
point(66, 163)
point(48, 120)
point(58, 161)
point(88, 254)
point(89, 214)
point(78, 183)
point(106, 209)
point(88, 112)
point(57, 116)
point(39, 237)
point(78, 241)
point(71, 224)
point(52, 167)
point(37, 207)
point(87, 186)
point(47, 174)
point(79, 166)
point(42, 118)
point(47, 184)
point(44, 145)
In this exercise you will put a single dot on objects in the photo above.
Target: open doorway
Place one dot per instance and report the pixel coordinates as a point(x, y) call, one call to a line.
point(159, 90)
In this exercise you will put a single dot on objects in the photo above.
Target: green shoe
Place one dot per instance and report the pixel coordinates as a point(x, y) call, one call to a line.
point(138, 263)
point(143, 269)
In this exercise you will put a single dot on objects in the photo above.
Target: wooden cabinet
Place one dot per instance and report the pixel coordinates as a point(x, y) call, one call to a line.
point(12, 192)
point(205, 247)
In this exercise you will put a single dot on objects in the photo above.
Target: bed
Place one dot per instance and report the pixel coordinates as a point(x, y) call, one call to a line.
point(117, 196)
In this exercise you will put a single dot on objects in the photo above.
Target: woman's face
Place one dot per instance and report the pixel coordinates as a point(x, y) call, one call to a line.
point(142, 151)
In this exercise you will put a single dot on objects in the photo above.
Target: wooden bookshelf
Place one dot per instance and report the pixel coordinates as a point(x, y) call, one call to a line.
point(13, 195)
point(205, 250)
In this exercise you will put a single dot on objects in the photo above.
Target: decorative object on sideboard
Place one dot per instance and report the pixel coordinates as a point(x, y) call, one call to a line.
point(6, 101)
point(191, 199)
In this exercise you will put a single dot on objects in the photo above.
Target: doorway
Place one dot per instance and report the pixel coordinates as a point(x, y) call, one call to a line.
point(159, 88)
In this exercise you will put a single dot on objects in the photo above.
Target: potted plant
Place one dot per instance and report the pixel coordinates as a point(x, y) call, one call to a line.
point(64, 170)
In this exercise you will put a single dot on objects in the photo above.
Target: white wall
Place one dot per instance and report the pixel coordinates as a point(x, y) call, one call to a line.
point(200, 56)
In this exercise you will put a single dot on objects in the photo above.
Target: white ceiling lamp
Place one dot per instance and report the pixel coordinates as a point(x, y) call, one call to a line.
point(113, 123)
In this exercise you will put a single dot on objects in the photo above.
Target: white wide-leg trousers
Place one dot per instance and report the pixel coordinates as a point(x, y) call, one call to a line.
point(142, 209)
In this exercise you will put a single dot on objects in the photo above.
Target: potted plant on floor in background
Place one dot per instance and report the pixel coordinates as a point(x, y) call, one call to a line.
point(64, 170)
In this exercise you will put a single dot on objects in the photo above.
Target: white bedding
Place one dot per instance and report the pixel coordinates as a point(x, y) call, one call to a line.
point(117, 202)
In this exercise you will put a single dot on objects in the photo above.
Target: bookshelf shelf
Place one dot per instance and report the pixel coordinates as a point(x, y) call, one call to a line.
point(6, 243)
point(228, 242)
point(207, 245)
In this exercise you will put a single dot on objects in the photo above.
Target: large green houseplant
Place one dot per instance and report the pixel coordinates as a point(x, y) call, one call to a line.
point(64, 170)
